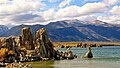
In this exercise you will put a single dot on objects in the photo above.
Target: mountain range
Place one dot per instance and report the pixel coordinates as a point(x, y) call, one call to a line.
point(72, 30)
point(3, 29)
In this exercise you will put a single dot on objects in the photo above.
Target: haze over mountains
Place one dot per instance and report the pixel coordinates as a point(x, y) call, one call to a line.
point(71, 30)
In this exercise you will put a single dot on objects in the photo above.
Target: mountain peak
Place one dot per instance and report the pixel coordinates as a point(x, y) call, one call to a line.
point(76, 22)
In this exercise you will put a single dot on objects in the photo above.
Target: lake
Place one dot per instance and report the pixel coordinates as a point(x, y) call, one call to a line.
point(105, 57)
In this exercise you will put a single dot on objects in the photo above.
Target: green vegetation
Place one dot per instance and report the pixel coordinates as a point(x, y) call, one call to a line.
point(42, 64)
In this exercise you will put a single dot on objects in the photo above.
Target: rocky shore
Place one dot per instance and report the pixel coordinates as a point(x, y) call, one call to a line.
point(27, 47)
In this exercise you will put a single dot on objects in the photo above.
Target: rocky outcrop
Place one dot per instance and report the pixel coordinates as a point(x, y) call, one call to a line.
point(44, 44)
point(25, 46)
point(27, 39)
point(9, 49)
point(3, 53)
point(89, 53)
point(2, 41)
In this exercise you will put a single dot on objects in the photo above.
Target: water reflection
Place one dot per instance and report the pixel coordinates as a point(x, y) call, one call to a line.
point(106, 57)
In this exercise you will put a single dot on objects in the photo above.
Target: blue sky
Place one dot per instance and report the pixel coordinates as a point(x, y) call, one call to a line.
point(16, 12)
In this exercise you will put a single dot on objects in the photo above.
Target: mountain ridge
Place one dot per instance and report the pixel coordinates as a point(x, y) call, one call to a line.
point(73, 30)
point(3, 29)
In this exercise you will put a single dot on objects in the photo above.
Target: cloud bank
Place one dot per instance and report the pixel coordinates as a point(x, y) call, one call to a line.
point(15, 12)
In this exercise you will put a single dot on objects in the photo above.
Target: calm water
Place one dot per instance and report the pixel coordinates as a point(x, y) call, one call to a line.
point(105, 57)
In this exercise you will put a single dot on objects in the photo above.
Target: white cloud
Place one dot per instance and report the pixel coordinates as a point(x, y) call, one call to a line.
point(21, 19)
point(14, 12)
point(52, 1)
point(19, 6)
point(115, 10)
point(70, 11)
point(48, 14)
point(90, 0)
point(2, 1)
point(93, 8)
point(19, 11)
point(115, 18)
point(110, 19)
point(87, 18)
point(64, 3)
point(75, 11)
point(111, 2)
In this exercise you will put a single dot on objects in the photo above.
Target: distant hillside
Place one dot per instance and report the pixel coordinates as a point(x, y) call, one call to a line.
point(74, 30)
point(15, 31)
point(3, 29)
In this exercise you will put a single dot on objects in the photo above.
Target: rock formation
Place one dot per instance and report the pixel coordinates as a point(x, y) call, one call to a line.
point(27, 39)
point(44, 44)
point(2, 53)
point(9, 49)
point(25, 46)
point(89, 53)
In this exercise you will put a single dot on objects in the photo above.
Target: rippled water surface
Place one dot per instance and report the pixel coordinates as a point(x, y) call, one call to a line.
point(105, 57)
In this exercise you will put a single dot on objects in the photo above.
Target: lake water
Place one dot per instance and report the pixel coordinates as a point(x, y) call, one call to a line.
point(105, 57)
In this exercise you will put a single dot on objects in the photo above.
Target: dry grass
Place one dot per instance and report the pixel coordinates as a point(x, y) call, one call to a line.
point(58, 44)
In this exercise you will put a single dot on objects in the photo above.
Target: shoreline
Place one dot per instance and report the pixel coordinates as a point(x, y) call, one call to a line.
point(74, 44)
